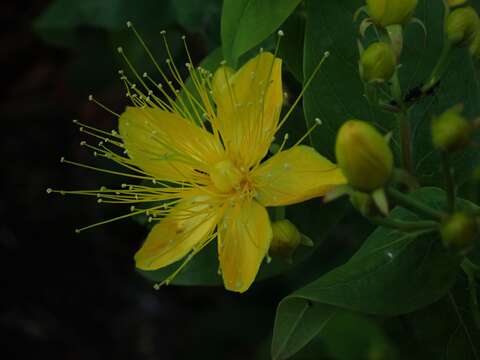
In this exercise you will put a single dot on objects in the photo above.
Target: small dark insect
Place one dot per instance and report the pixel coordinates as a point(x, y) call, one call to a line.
point(416, 94)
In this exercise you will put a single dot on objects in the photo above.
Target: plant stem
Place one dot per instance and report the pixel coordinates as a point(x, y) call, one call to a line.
point(405, 226)
point(439, 68)
point(406, 141)
point(449, 182)
point(414, 205)
point(402, 115)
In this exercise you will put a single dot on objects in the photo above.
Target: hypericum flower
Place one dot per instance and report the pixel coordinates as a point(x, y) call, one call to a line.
point(203, 152)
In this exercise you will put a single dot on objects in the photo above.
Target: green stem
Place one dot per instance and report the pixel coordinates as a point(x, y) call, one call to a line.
point(439, 68)
point(406, 141)
point(449, 182)
point(414, 205)
point(402, 116)
point(405, 226)
point(471, 270)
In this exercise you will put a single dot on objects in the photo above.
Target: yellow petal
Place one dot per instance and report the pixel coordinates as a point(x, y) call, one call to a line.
point(244, 236)
point(248, 106)
point(295, 175)
point(165, 145)
point(189, 224)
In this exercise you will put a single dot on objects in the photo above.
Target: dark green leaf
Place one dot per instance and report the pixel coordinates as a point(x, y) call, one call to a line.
point(452, 335)
point(392, 273)
point(245, 23)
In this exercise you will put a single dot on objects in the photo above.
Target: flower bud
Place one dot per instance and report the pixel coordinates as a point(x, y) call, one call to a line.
point(451, 131)
point(462, 25)
point(391, 12)
point(285, 240)
point(459, 232)
point(363, 155)
point(453, 3)
point(377, 63)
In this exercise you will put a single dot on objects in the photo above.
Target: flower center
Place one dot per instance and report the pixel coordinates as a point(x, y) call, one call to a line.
point(225, 176)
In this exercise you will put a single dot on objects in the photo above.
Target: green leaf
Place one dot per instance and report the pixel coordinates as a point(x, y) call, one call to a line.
point(245, 23)
point(337, 93)
point(345, 342)
point(392, 273)
point(203, 268)
point(451, 336)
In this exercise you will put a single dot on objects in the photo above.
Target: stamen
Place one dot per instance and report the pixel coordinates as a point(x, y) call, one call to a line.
point(91, 98)
point(307, 84)
point(317, 123)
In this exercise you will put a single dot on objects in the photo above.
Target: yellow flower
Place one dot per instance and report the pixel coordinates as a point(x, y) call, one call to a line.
point(210, 181)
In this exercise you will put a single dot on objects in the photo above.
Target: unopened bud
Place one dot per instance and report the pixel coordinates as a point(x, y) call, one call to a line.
point(286, 239)
point(451, 131)
point(391, 12)
point(462, 25)
point(459, 232)
point(363, 156)
point(377, 63)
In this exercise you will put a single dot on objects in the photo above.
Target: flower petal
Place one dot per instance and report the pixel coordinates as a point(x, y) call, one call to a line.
point(165, 145)
point(248, 106)
point(295, 175)
point(189, 224)
point(244, 236)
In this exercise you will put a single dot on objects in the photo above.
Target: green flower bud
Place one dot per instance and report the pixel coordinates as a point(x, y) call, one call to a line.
point(391, 12)
point(377, 63)
point(363, 156)
point(453, 3)
point(286, 239)
point(459, 232)
point(364, 204)
point(462, 25)
point(451, 131)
